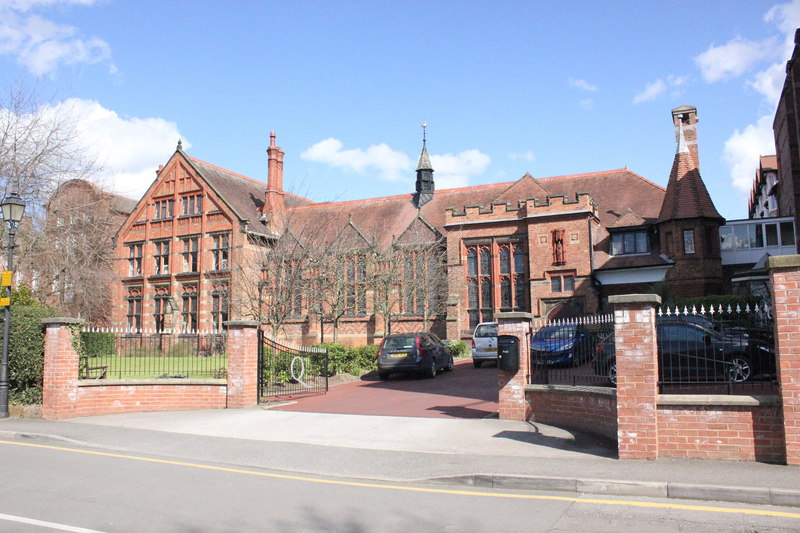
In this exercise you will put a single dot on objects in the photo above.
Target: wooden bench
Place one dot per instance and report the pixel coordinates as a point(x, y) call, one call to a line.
point(89, 369)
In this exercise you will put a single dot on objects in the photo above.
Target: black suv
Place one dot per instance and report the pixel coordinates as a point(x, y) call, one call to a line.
point(413, 353)
point(689, 352)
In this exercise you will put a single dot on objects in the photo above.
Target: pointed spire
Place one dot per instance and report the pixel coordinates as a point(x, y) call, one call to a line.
point(424, 160)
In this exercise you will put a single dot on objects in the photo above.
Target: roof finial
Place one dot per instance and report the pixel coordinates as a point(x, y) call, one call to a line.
point(424, 131)
point(180, 146)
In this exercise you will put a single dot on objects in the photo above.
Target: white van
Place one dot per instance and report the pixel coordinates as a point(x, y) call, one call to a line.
point(484, 343)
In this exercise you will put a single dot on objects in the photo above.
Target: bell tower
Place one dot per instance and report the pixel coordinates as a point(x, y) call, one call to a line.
point(425, 186)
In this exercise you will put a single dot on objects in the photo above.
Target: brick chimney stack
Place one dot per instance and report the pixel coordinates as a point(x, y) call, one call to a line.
point(687, 116)
point(274, 198)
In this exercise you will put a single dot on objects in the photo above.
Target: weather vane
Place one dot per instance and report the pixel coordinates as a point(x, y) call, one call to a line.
point(424, 128)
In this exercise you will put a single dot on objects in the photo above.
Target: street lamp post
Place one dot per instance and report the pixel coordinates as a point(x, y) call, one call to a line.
point(13, 208)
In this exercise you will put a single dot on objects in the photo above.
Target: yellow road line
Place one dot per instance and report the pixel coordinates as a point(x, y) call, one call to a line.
point(652, 505)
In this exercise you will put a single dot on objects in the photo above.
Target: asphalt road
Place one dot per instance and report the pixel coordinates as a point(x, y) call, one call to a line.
point(467, 392)
point(59, 487)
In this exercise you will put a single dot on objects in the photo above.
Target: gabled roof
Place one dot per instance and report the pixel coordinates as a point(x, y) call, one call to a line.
point(419, 232)
point(523, 189)
point(627, 220)
point(686, 196)
point(245, 196)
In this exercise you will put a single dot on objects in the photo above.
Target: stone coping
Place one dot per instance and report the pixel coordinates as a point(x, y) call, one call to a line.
point(573, 389)
point(61, 320)
point(513, 314)
point(150, 382)
point(242, 323)
point(783, 261)
point(653, 299)
point(723, 400)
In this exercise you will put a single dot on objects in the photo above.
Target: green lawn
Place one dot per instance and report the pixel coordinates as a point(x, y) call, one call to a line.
point(144, 367)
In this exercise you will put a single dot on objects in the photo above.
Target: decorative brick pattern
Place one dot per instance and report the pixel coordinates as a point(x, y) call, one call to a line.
point(637, 375)
point(784, 272)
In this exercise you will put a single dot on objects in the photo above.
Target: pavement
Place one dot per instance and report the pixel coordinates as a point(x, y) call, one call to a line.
point(477, 453)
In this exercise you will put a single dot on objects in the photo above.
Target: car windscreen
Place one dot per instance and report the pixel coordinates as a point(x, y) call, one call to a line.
point(554, 333)
point(400, 343)
point(486, 330)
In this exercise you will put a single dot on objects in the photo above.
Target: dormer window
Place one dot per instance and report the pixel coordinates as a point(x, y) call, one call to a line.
point(629, 242)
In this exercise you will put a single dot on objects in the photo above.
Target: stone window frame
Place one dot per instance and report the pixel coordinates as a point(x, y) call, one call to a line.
point(135, 258)
point(161, 257)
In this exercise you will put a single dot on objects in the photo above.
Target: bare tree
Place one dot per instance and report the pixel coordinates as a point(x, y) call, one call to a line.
point(424, 280)
point(39, 146)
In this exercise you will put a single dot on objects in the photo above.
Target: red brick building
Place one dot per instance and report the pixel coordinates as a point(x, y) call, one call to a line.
point(552, 246)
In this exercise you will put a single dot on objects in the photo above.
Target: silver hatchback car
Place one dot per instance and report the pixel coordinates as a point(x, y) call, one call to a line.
point(484, 343)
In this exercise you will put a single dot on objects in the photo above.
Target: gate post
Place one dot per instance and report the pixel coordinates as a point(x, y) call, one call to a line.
point(61, 369)
point(637, 375)
point(243, 350)
point(513, 403)
point(784, 274)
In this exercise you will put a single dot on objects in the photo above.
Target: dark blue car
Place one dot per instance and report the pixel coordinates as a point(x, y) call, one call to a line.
point(562, 345)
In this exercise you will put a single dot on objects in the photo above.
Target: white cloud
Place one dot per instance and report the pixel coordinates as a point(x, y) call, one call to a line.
point(526, 156)
point(586, 103)
point(650, 92)
point(454, 170)
point(653, 90)
point(450, 170)
point(733, 58)
point(743, 149)
point(41, 45)
point(390, 164)
point(582, 84)
point(769, 82)
point(129, 150)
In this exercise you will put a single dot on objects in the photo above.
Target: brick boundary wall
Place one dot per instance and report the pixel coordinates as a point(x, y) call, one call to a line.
point(64, 395)
point(588, 409)
point(784, 273)
point(736, 428)
point(637, 375)
point(513, 404)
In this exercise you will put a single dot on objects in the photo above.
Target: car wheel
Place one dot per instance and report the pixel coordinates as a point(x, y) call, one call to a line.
point(450, 364)
point(612, 373)
point(740, 370)
point(383, 376)
point(431, 370)
point(476, 364)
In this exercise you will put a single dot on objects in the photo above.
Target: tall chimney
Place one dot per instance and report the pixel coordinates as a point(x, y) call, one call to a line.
point(274, 198)
point(687, 117)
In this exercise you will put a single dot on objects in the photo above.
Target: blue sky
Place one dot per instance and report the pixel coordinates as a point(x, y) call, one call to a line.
point(550, 88)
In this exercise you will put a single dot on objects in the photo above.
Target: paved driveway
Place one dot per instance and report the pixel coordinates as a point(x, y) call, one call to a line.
point(467, 392)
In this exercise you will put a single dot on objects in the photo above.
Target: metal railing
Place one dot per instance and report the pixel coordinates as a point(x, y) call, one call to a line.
point(107, 353)
point(719, 350)
point(563, 351)
point(286, 370)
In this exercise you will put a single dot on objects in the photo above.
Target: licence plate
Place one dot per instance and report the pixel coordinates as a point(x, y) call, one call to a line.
point(493, 350)
point(402, 354)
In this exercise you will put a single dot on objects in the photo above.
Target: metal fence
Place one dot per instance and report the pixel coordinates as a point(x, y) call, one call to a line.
point(107, 353)
point(286, 370)
point(716, 350)
point(563, 351)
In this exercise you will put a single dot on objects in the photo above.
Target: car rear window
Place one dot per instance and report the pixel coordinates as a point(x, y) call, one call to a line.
point(486, 330)
point(400, 343)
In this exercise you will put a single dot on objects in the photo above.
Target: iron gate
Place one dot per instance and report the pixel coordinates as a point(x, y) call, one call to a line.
point(285, 370)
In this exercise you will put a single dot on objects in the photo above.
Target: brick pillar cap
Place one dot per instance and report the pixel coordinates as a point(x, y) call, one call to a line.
point(783, 261)
point(653, 299)
point(61, 320)
point(513, 315)
point(242, 323)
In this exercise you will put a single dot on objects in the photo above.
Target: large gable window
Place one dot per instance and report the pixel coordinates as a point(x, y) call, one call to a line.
point(629, 242)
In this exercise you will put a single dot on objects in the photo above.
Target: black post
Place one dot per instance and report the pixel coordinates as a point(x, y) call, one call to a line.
point(6, 328)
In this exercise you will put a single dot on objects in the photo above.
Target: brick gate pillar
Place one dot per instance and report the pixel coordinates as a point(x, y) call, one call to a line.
point(784, 274)
point(242, 363)
point(61, 368)
point(637, 375)
point(513, 404)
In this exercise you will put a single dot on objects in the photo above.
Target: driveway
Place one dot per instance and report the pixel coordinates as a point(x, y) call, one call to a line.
point(467, 392)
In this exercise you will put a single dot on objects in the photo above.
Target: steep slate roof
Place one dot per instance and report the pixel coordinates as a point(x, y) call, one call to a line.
point(628, 219)
point(687, 196)
point(620, 262)
point(244, 195)
point(614, 191)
